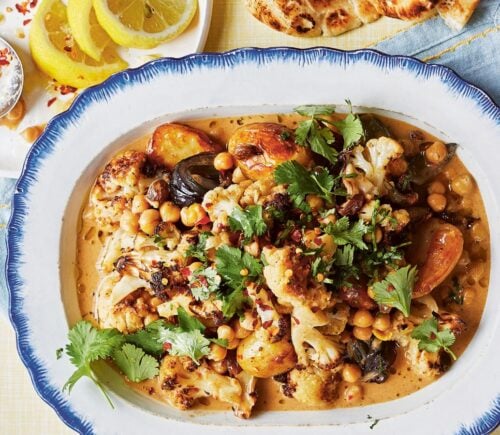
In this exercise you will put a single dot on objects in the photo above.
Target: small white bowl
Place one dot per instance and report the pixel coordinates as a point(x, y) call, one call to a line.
point(66, 158)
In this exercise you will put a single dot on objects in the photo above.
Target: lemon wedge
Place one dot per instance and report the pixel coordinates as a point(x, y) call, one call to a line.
point(89, 35)
point(56, 52)
point(144, 23)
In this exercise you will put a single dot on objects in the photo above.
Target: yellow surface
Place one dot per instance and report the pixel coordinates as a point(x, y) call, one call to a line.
point(22, 412)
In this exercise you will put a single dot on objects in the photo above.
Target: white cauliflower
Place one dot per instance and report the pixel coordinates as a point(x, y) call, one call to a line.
point(219, 203)
point(369, 163)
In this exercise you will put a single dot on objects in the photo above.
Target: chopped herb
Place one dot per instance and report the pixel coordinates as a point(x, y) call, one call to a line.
point(233, 303)
point(135, 363)
point(396, 289)
point(456, 295)
point(204, 282)
point(59, 353)
point(344, 233)
point(351, 128)
point(301, 182)
point(285, 135)
point(431, 339)
point(344, 256)
point(159, 241)
point(149, 338)
point(314, 133)
point(237, 267)
point(249, 221)
point(219, 341)
point(199, 249)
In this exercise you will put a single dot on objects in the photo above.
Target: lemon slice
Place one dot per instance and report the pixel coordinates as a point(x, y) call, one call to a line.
point(89, 35)
point(144, 23)
point(57, 54)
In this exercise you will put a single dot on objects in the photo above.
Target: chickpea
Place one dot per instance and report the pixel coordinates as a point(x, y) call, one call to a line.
point(351, 373)
point(378, 235)
point(17, 112)
point(238, 176)
point(225, 332)
point(169, 212)
point(362, 333)
point(362, 318)
point(382, 335)
point(398, 167)
point(436, 187)
point(315, 202)
point(129, 222)
point(437, 202)
point(479, 232)
point(217, 353)
point(328, 219)
point(31, 134)
point(382, 322)
point(193, 267)
point(192, 214)
point(139, 204)
point(253, 249)
point(219, 366)
point(469, 296)
point(155, 301)
point(353, 393)
point(223, 161)
point(239, 331)
point(462, 184)
point(233, 344)
point(436, 152)
point(149, 220)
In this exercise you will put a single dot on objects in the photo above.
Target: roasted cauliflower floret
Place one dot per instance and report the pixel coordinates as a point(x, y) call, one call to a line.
point(258, 192)
point(312, 386)
point(369, 163)
point(219, 203)
point(259, 148)
point(182, 382)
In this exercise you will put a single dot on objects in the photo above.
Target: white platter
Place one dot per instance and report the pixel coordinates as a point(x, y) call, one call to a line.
point(39, 90)
point(60, 167)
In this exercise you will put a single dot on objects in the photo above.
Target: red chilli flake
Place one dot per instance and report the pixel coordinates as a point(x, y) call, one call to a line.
point(33, 3)
point(5, 57)
point(51, 101)
point(167, 346)
point(185, 272)
point(25, 22)
point(204, 220)
point(267, 324)
point(22, 8)
point(66, 89)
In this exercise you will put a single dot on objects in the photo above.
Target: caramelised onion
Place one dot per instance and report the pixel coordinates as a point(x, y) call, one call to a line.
point(192, 178)
point(374, 358)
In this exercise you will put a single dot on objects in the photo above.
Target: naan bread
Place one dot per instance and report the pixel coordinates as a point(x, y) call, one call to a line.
point(405, 9)
point(306, 17)
point(365, 10)
point(456, 13)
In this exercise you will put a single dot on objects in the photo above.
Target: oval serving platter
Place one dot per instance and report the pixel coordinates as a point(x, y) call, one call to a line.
point(64, 161)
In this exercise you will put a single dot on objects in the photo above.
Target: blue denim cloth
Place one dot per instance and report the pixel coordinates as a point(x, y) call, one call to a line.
point(473, 53)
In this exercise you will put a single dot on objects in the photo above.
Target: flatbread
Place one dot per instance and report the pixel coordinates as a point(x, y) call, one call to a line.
point(456, 13)
point(365, 10)
point(405, 9)
point(306, 17)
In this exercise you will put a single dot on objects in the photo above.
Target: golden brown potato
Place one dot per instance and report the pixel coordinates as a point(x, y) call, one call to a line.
point(438, 248)
point(258, 148)
point(260, 357)
point(172, 143)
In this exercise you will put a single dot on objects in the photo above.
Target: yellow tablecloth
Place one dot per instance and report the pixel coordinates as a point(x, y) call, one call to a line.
point(21, 410)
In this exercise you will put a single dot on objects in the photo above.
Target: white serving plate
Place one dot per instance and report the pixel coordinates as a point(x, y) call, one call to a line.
point(61, 167)
point(39, 89)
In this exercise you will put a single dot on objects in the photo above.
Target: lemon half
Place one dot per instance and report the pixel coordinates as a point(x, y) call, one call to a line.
point(56, 52)
point(144, 23)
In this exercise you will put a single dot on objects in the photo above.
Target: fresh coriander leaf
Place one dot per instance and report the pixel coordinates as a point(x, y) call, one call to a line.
point(351, 130)
point(135, 363)
point(199, 249)
point(320, 140)
point(159, 241)
point(204, 282)
point(301, 182)
point(303, 131)
point(344, 256)
point(249, 221)
point(315, 109)
point(59, 353)
point(188, 323)
point(149, 338)
point(220, 341)
point(233, 303)
point(396, 289)
point(285, 135)
point(88, 344)
point(431, 339)
point(192, 343)
point(231, 262)
point(344, 233)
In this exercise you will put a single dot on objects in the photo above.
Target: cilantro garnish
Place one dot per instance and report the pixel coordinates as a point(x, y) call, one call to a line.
point(199, 249)
point(314, 133)
point(431, 339)
point(249, 221)
point(204, 282)
point(301, 182)
point(344, 233)
point(135, 363)
point(236, 268)
point(351, 128)
point(396, 289)
point(149, 338)
point(186, 343)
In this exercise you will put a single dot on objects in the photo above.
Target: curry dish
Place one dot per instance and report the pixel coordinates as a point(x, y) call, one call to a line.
point(293, 261)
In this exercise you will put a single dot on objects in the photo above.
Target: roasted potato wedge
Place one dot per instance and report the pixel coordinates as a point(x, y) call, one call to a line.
point(172, 143)
point(258, 148)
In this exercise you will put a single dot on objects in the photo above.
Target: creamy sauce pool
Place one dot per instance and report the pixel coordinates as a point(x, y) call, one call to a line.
point(402, 380)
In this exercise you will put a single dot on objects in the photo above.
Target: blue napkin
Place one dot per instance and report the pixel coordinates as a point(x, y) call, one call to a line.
point(473, 53)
